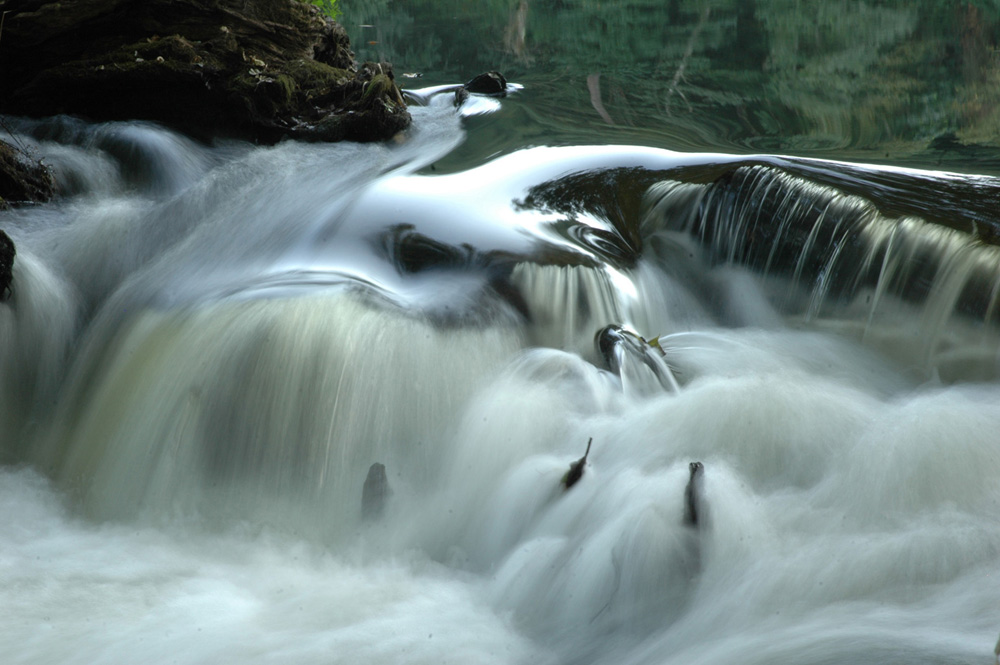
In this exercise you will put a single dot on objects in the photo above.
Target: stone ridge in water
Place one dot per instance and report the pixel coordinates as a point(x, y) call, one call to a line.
point(256, 69)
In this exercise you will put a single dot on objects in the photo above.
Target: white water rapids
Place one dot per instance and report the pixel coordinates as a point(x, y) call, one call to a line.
point(207, 348)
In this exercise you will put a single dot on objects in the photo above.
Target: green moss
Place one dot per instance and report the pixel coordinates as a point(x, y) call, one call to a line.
point(286, 87)
point(380, 87)
point(270, 94)
point(314, 75)
point(327, 7)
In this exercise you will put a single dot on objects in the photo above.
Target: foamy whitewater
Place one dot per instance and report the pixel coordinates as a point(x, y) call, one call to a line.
point(208, 347)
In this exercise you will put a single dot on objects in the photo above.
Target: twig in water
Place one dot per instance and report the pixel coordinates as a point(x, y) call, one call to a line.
point(576, 468)
point(594, 86)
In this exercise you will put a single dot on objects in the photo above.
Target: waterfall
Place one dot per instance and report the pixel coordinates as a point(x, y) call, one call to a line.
point(921, 292)
point(37, 326)
point(201, 368)
point(569, 304)
point(238, 409)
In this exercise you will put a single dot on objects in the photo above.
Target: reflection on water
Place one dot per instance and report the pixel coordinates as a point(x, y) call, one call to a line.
point(893, 81)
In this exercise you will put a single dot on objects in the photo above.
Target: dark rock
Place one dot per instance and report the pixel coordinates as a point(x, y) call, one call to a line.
point(624, 352)
point(613, 195)
point(412, 252)
point(490, 83)
point(375, 493)
point(6, 265)
point(260, 69)
point(613, 337)
point(375, 110)
point(22, 178)
point(572, 477)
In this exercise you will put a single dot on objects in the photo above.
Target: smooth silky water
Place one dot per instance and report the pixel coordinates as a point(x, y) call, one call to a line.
point(208, 347)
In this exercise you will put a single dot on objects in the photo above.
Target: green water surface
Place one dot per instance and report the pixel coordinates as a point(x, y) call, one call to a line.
point(888, 82)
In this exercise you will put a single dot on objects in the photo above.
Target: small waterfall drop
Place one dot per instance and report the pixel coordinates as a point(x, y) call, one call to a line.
point(569, 304)
point(37, 326)
point(833, 261)
point(268, 408)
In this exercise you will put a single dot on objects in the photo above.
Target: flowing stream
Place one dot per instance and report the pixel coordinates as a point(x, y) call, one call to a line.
point(208, 347)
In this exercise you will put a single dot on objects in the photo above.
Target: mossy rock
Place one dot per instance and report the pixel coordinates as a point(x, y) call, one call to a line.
point(314, 75)
point(259, 69)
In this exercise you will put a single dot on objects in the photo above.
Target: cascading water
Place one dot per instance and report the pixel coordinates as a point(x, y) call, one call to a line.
point(201, 364)
point(924, 293)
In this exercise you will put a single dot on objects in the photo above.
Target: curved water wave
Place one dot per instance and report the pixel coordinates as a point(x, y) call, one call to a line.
point(117, 157)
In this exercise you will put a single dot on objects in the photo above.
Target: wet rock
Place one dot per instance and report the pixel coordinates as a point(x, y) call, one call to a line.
point(22, 178)
point(614, 195)
point(490, 83)
point(7, 253)
point(572, 477)
point(606, 341)
point(375, 493)
point(258, 69)
point(610, 338)
point(632, 356)
point(373, 110)
point(412, 252)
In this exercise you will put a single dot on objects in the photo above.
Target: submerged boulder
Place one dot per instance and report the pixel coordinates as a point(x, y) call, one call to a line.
point(258, 69)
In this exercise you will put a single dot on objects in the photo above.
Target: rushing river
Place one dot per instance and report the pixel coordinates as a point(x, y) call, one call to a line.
point(209, 350)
